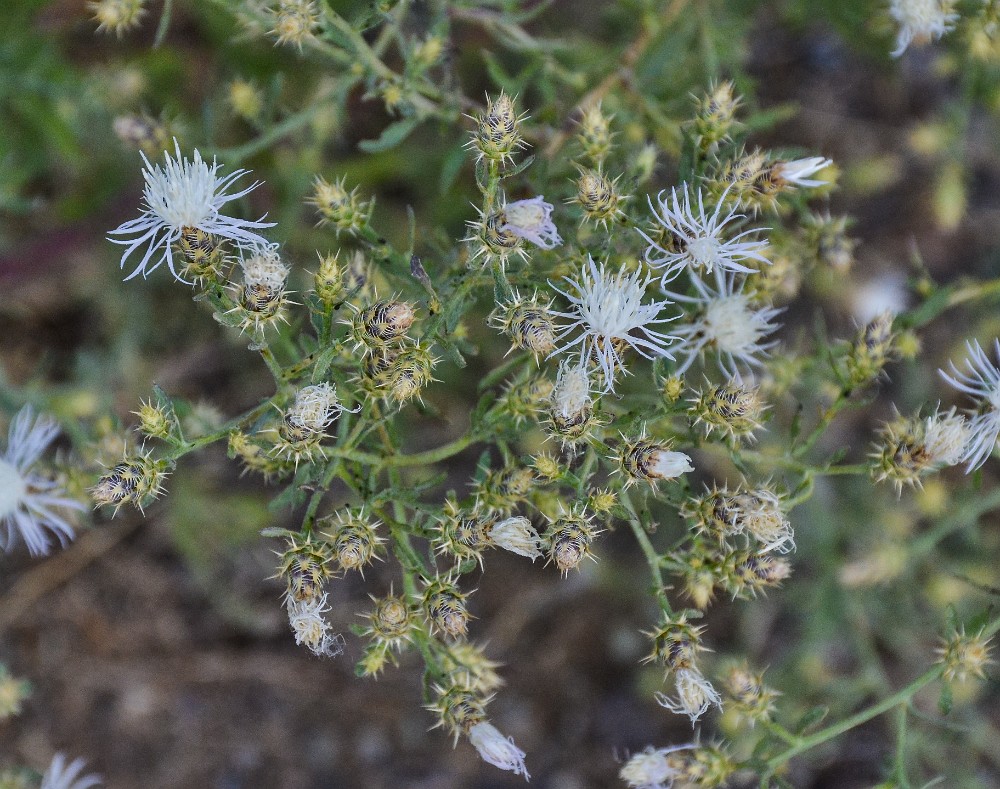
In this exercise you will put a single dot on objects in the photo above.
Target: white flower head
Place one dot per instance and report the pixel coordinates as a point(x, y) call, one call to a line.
point(759, 513)
point(315, 407)
point(921, 21)
point(797, 172)
point(496, 749)
point(946, 435)
point(651, 768)
point(695, 695)
point(67, 776)
point(608, 310)
point(667, 464)
point(181, 195)
point(726, 321)
point(983, 382)
point(311, 628)
point(696, 237)
point(571, 396)
point(262, 267)
point(531, 220)
point(30, 504)
point(517, 536)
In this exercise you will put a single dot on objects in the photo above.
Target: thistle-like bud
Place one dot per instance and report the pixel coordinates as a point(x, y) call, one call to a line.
point(501, 490)
point(601, 501)
point(716, 115)
point(262, 297)
point(493, 239)
point(340, 208)
point(13, 692)
point(304, 424)
point(704, 766)
point(871, 350)
point(759, 515)
point(751, 699)
point(253, 455)
point(699, 573)
point(390, 622)
point(140, 131)
point(528, 323)
point(547, 466)
point(827, 237)
point(734, 408)
point(467, 665)
point(523, 400)
point(756, 181)
point(117, 16)
point(155, 420)
point(676, 643)
point(497, 137)
point(444, 606)
point(383, 323)
point(910, 447)
point(569, 538)
point(353, 539)
point(137, 480)
point(458, 709)
point(203, 254)
point(410, 372)
point(594, 134)
point(750, 573)
point(328, 281)
point(965, 655)
point(463, 534)
point(598, 196)
point(570, 405)
point(305, 569)
point(673, 388)
point(294, 22)
point(648, 460)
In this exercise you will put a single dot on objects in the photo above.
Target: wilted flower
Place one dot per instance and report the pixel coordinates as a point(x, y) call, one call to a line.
point(532, 220)
point(517, 536)
point(652, 769)
point(311, 628)
point(921, 21)
point(797, 172)
point(982, 381)
point(496, 749)
point(184, 195)
point(695, 695)
point(30, 503)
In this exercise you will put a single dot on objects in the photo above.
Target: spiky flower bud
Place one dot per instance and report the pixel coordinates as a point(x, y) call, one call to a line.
point(304, 566)
point(137, 480)
point(734, 408)
point(444, 606)
point(328, 281)
point(493, 239)
point(467, 665)
point(140, 131)
point(203, 254)
point(598, 196)
point(262, 297)
point(523, 400)
point(827, 237)
point(706, 766)
point(391, 621)
point(750, 573)
point(497, 137)
point(353, 537)
point(501, 490)
point(569, 538)
point(547, 466)
point(410, 372)
point(294, 22)
point(871, 350)
point(245, 99)
point(751, 699)
point(463, 534)
point(715, 117)
point(117, 16)
point(601, 501)
point(346, 211)
point(383, 323)
point(648, 460)
point(594, 134)
point(155, 420)
point(253, 455)
point(964, 655)
point(676, 643)
point(304, 424)
point(910, 447)
point(673, 388)
point(528, 323)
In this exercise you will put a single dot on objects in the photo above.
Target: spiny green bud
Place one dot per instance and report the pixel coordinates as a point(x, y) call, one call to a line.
point(382, 323)
point(373, 660)
point(649, 460)
point(571, 404)
point(569, 538)
point(252, 454)
point(294, 22)
point(493, 239)
point(136, 480)
point(528, 323)
point(203, 253)
point(547, 466)
point(673, 388)
point(117, 16)
point(304, 568)
point(601, 501)
point(752, 700)
point(353, 538)
point(598, 196)
point(461, 533)
point(502, 490)
point(747, 572)
point(155, 420)
point(444, 606)
point(965, 655)
point(410, 373)
point(467, 666)
point(734, 408)
point(594, 134)
point(390, 621)
point(458, 708)
point(871, 350)
point(523, 400)
point(340, 208)
point(716, 115)
point(676, 643)
point(496, 136)
point(328, 282)
point(827, 238)
point(707, 766)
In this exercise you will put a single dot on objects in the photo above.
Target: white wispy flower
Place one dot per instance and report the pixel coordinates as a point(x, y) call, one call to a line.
point(517, 536)
point(726, 321)
point(921, 21)
point(651, 769)
point(67, 776)
point(315, 407)
point(608, 310)
point(184, 194)
point(531, 220)
point(797, 172)
point(262, 268)
point(696, 237)
point(946, 436)
point(311, 628)
point(30, 503)
point(695, 695)
point(983, 382)
point(496, 749)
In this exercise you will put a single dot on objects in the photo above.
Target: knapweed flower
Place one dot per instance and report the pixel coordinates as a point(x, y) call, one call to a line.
point(496, 749)
point(695, 695)
point(726, 321)
point(311, 628)
point(650, 460)
point(921, 21)
point(517, 536)
point(694, 239)
point(797, 172)
point(532, 220)
point(67, 776)
point(608, 310)
point(183, 195)
point(982, 381)
point(652, 769)
point(571, 401)
point(30, 503)
point(946, 435)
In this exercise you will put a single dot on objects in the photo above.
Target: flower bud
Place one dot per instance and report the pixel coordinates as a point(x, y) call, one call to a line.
point(140, 131)
point(493, 238)
point(294, 22)
point(528, 323)
point(602, 501)
point(13, 692)
point(263, 295)
point(963, 655)
point(155, 420)
point(827, 237)
point(653, 768)
point(570, 403)
point(304, 424)
point(673, 388)
point(872, 348)
point(676, 643)
point(136, 480)
point(328, 282)
point(117, 16)
point(547, 466)
point(910, 447)
point(569, 539)
point(353, 538)
point(754, 572)
point(467, 665)
point(497, 137)
point(203, 253)
point(340, 208)
point(598, 196)
point(409, 373)
point(304, 568)
point(734, 408)
point(444, 606)
point(459, 709)
point(752, 699)
point(382, 323)
point(252, 454)
point(594, 134)
point(523, 400)
point(715, 118)
point(245, 99)
point(651, 461)
point(390, 622)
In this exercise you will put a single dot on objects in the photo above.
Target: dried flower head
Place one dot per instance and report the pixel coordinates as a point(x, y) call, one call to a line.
point(306, 618)
point(652, 768)
point(294, 22)
point(649, 460)
point(695, 695)
point(964, 655)
point(921, 21)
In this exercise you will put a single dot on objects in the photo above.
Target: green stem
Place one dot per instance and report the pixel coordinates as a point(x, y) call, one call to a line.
point(652, 557)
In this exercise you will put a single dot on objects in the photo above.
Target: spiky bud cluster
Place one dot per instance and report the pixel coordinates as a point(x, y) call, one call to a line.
point(756, 514)
point(262, 297)
point(305, 422)
point(254, 456)
point(458, 709)
point(871, 349)
point(467, 666)
point(706, 766)
point(715, 117)
point(463, 533)
point(598, 196)
point(734, 408)
point(398, 373)
point(294, 22)
point(594, 134)
point(747, 573)
point(304, 566)
point(117, 16)
point(649, 460)
point(676, 643)
point(497, 136)
point(756, 181)
point(346, 211)
point(444, 606)
point(751, 699)
point(136, 480)
point(502, 489)
point(155, 420)
point(493, 239)
point(528, 323)
point(569, 538)
point(353, 539)
point(910, 447)
point(964, 655)
point(524, 399)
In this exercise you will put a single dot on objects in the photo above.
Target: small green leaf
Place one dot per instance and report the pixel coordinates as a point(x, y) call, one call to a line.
point(392, 135)
point(810, 719)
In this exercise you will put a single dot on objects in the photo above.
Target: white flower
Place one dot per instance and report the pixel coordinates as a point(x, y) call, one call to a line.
point(517, 536)
point(921, 21)
point(608, 309)
point(797, 172)
point(946, 435)
point(695, 695)
point(311, 628)
point(30, 503)
point(727, 322)
point(532, 220)
point(666, 464)
point(67, 776)
point(315, 407)
point(262, 268)
point(184, 194)
point(695, 238)
point(496, 749)
point(651, 769)
point(759, 513)
point(982, 381)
